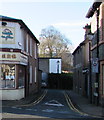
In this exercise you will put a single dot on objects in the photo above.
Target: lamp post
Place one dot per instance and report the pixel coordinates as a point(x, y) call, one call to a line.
point(89, 37)
point(58, 62)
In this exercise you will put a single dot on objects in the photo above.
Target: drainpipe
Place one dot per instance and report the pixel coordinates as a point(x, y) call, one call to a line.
point(90, 72)
point(97, 74)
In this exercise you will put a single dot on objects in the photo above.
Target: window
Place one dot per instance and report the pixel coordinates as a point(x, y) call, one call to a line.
point(27, 42)
point(35, 74)
point(7, 76)
point(31, 47)
point(30, 74)
point(35, 51)
point(21, 76)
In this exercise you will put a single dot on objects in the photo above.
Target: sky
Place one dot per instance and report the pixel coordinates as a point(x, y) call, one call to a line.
point(67, 16)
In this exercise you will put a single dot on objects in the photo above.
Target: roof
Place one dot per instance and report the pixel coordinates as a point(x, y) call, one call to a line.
point(23, 25)
point(5, 17)
point(81, 44)
point(93, 8)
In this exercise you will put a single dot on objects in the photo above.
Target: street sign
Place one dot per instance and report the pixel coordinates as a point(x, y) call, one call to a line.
point(95, 65)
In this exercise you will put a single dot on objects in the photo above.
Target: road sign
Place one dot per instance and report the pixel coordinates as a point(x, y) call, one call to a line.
point(95, 65)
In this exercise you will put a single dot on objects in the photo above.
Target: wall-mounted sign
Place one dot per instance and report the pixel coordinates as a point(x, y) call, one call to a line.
point(95, 65)
point(13, 56)
point(9, 56)
point(7, 35)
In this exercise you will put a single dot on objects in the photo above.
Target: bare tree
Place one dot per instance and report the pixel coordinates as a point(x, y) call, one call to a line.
point(54, 44)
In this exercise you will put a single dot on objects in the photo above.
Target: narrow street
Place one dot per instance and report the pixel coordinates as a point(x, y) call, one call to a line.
point(56, 104)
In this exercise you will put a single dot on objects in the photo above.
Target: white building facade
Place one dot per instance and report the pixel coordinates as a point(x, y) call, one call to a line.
point(18, 52)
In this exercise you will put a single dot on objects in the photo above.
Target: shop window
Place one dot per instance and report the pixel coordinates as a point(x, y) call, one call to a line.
point(7, 76)
point(21, 76)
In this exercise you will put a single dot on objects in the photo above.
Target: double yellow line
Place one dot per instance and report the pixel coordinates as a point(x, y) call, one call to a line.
point(33, 103)
point(72, 107)
point(38, 100)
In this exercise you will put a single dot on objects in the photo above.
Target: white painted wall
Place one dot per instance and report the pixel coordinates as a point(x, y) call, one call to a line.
point(53, 65)
point(19, 38)
point(16, 94)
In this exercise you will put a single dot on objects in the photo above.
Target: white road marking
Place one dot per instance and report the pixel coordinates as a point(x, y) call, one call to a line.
point(54, 103)
point(24, 109)
point(14, 107)
point(19, 108)
point(48, 110)
point(28, 109)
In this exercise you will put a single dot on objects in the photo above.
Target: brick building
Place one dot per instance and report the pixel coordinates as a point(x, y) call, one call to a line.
point(81, 64)
point(96, 13)
point(18, 59)
point(89, 57)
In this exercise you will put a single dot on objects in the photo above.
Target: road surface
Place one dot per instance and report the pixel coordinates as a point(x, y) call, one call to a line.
point(55, 104)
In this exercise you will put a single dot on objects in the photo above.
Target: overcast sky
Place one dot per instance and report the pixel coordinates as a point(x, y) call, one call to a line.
point(68, 16)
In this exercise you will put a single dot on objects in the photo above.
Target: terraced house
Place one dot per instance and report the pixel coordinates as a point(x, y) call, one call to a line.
point(18, 59)
point(91, 80)
point(81, 77)
point(96, 13)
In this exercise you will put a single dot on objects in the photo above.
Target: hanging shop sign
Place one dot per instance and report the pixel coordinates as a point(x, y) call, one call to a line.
point(7, 35)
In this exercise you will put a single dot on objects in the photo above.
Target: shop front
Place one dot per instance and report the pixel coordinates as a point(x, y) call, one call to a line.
point(12, 75)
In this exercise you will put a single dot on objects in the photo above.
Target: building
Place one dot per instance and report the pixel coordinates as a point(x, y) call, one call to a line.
point(81, 67)
point(96, 13)
point(50, 65)
point(89, 60)
point(18, 59)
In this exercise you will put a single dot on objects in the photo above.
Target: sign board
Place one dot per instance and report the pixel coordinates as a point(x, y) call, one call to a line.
point(95, 65)
point(7, 35)
point(13, 56)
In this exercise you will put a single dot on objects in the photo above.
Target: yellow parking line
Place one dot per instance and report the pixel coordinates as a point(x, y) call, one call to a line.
point(70, 104)
point(38, 100)
point(34, 103)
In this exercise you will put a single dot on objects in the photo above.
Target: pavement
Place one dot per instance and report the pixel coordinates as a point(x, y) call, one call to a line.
point(80, 102)
point(83, 104)
point(28, 100)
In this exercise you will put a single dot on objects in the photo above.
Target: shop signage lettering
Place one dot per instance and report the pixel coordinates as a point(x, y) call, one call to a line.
point(12, 56)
